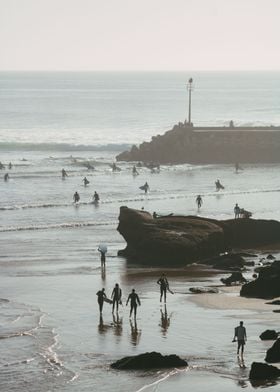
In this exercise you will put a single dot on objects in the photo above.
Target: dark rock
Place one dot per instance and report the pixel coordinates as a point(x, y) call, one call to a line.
point(262, 371)
point(228, 261)
point(276, 311)
point(273, 353)
point(270, 257)
point(249, 263)
point(235, 277)
point(266, 286)
point(204, 290)
point(269, 334)
point(275, 302)
point(152, 360)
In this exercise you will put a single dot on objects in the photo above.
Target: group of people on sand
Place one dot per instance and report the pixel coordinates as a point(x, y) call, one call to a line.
point(133, 298)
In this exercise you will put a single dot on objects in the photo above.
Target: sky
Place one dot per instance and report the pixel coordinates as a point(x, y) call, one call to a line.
point(142, 35)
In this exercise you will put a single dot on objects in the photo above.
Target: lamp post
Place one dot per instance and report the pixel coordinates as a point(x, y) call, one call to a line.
point(189, 88)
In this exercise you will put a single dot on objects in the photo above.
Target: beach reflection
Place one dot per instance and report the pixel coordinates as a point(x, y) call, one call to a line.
point(135, 333)
point(164, 320)
point(103, 273)
point(103, 328)
point(117, 324)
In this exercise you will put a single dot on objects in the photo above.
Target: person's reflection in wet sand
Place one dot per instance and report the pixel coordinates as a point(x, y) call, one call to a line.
point(102, 328)
point(135, 332)
point(165, 321)
point(117, 323)
point(103, 273)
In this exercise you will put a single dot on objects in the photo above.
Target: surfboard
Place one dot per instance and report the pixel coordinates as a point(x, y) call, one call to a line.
point(109, 301)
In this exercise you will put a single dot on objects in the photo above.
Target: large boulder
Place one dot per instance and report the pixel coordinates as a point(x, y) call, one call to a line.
point(152, 360)
point(186, 239)
point(269, 334)
point(266, 286)
point(273, 353)
point(234, 278)
point(227, 261)
point(262, 371)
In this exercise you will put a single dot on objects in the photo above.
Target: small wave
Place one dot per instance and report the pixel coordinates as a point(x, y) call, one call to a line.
point(68, 225)
point(14, 146)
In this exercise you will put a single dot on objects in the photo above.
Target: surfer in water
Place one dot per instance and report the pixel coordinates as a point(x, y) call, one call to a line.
point(199, 201)
point(102, 257)
point(6, 177)
point(86, 181)
point(164, 286)
point(10, 165)
point(219, 185)
point(116, 297)
point(134, 301)
point(145, 187)
point(76, 197)
point(100, 299)
point(135, 171)
point(96, 198)
point(63, 173)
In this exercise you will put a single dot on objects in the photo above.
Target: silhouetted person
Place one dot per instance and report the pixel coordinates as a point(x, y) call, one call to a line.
point(102, 257)
point(240, 335)
point(134, 301)
point(76, 197)
point(164, 286)
point(63, 173)
point(86, 181)
point(100, 299)
point(199, 201)
point(134, 171)
point(6, 177)
point(116, 297)
point(10, 165)
point(146, 187)
point(236, 211)
point(96, 197)
point(218, 185)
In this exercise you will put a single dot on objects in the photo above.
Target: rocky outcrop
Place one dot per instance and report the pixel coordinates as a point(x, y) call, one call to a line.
point(186, 239)
point(273, 353)
point(234, 278)
point(269, 334)
point(151, 360)
point(262, 371)
point(185, 144)
point(227, 261)
point(267, 285)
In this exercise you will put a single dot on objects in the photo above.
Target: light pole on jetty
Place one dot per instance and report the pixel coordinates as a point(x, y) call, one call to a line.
point(190, 88)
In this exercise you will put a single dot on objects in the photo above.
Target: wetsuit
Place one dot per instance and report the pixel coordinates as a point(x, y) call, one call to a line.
point(116, 296)
point(163, 282)
point(100, 299)
point(134, 301)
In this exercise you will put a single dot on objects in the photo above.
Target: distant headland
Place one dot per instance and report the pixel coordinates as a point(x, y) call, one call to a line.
point(188, 144)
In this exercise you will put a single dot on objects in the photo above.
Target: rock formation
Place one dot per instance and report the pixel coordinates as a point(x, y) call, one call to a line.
point(185, 144)
point(273, 353)
point(267, 285)
point(262, 371)
point(186, 239)
point(234, 278)
point(269, 334)
point(151, 360)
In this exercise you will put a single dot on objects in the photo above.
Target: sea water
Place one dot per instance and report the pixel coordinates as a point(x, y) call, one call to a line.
point(51, 336)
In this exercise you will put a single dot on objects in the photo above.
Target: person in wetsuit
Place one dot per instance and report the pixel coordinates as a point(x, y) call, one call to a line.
point(6, 177)
point(146, 187)
point(86, 181)
point(100, 299)
point(96, 197)
point(116, 297)
point(199, 201)
point(164, 286)
point(134, 301)
point(76, 197)
point(241, 336)
point(63, 173)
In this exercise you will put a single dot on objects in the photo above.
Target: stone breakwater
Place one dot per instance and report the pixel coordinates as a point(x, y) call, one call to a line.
point(177, 240)
point(206, 145)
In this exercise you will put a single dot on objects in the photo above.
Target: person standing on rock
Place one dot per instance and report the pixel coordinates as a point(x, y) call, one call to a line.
point(241, 337)
point(164, 286)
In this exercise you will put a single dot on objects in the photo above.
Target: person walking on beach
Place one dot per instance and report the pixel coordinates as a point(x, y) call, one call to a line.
point(102, 257)
point(241, 336)
point(199, 201)
point(236, 211)
point(164, 286)
point(100, 299)
point(116, 297)
point(134, 301)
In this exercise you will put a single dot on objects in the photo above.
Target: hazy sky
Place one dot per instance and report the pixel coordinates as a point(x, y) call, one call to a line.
point(139, 34)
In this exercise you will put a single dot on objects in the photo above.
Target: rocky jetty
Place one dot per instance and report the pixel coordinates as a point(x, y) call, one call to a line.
point(181, 240)
point(187, 144)
point(267, 285)
point(151, 360)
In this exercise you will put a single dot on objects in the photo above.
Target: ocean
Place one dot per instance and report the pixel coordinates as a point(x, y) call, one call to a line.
point(51, 335)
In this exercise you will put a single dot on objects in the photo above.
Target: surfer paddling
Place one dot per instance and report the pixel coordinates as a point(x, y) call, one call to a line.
point(76, 197)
